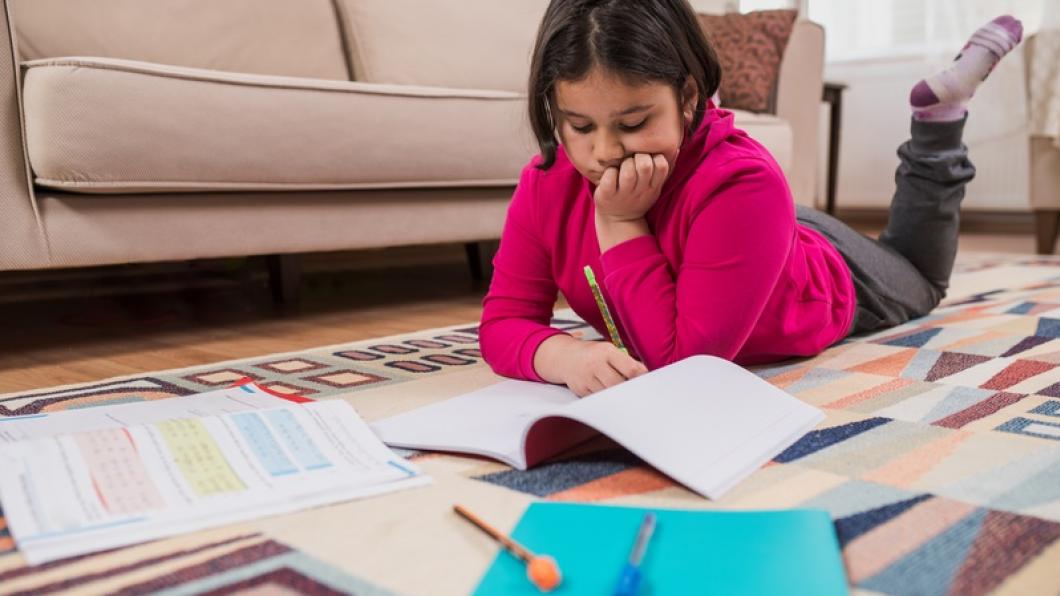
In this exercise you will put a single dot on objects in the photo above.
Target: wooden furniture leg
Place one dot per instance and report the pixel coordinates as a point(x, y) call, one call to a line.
point(285, 277)
point(1047, 223)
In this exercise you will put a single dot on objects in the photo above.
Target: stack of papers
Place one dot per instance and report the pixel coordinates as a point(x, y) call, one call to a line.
point(80, 481)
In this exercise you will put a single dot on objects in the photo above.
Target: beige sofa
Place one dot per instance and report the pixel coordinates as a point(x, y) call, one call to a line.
point(1044, 177)
point(139, 131)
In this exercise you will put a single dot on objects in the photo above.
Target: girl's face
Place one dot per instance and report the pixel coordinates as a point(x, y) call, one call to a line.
point(602, 120)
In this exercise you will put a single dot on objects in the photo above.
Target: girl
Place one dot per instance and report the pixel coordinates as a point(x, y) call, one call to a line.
point(688, 223)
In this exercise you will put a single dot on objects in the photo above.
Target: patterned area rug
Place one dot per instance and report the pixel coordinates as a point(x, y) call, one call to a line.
point(939, 458)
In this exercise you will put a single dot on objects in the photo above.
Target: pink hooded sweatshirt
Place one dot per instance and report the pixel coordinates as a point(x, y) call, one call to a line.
point(727, 271)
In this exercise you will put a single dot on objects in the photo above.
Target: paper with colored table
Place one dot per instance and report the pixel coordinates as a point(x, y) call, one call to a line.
point(81, 481)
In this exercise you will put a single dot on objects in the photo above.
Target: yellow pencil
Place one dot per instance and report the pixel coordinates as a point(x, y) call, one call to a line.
point(612, 330)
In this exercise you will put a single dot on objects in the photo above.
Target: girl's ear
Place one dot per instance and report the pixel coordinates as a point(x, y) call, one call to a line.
point(690, 95)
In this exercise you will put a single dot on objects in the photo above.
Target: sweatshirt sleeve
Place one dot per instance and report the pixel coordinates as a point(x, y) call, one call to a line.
point(518, 307)
point(737, 246)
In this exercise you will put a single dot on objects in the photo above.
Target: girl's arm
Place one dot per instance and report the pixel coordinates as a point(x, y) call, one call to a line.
point(518, 307)
point(737, 246)
point(515, 335)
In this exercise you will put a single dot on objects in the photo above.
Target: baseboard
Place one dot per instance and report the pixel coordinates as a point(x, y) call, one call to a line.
point(976, 222)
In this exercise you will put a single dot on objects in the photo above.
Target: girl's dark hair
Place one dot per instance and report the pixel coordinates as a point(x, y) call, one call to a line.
point(638, 40)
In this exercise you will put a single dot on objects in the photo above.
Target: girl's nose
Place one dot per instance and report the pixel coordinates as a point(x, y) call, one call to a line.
point(609, 153)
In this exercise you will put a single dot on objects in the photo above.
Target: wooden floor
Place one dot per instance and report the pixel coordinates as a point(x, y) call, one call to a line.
point(94, 324)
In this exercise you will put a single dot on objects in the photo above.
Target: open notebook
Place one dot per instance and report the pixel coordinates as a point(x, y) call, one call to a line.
point(704, 421)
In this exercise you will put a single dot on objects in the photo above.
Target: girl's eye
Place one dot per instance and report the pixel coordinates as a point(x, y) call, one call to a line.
point(623, 127)
point(632, 127)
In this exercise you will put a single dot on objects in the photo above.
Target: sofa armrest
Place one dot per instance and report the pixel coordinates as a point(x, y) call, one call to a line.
point(1044, 174)
point(1044, 155)
point(23, 244)
point(799, 87)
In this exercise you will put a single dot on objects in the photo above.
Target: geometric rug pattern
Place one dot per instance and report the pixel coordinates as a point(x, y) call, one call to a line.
point(939, 458)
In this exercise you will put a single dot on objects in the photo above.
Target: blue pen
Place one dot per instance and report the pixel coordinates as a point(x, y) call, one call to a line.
point(629, 581)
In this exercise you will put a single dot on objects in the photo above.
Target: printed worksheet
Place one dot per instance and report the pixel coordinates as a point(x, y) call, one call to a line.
point(70, 493)
point(222, 401)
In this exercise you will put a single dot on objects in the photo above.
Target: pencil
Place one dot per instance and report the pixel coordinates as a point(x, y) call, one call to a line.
point(612, 330)
point(541, 569)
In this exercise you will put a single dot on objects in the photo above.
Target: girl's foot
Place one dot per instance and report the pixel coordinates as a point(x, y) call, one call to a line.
point(942, 97)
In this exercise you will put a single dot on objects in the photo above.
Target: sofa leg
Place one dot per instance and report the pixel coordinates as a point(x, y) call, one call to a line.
point(1047, 223)
point(480, 259)
point(474, 260)
point(285, 276)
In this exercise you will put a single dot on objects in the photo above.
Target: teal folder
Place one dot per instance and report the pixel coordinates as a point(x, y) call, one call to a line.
point(792, 551)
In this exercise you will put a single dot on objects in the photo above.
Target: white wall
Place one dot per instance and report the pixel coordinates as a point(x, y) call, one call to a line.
point(876, 120)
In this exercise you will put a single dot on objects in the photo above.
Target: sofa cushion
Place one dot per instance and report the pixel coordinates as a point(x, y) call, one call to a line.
point(750, 48)
point(465, 44)
point(98, 125)
point(298, 38)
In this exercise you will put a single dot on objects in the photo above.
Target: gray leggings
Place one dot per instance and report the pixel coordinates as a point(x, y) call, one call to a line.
point(905, 273)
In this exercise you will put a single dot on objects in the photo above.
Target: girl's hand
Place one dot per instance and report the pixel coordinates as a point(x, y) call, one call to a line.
point(597, 365)
point(627, 192)
point(584, 367)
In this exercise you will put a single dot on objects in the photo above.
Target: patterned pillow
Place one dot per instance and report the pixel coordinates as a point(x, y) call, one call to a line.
point(749, 47)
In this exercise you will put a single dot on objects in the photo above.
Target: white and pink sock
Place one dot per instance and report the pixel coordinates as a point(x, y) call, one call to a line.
point(942, 97)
